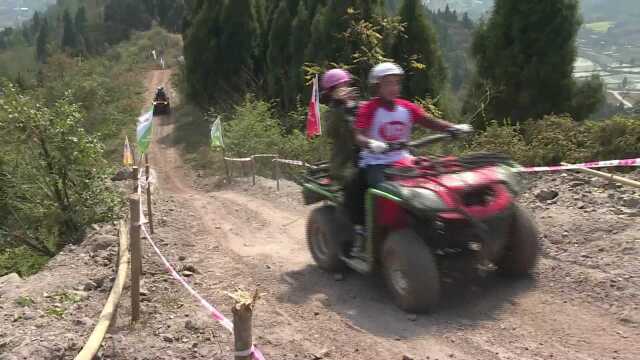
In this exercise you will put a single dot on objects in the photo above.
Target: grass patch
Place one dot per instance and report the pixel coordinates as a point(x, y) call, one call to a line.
point(600, 26)
point(24, 301)
point(55, 311)
point(21, 260)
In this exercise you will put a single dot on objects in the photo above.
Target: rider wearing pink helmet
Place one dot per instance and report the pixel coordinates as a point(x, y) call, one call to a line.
point(341, 99)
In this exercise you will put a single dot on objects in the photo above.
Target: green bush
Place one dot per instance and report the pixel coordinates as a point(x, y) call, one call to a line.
point(616, 138)
point(555, 139)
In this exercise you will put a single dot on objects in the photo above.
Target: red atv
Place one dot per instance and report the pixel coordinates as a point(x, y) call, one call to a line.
point(428, 209)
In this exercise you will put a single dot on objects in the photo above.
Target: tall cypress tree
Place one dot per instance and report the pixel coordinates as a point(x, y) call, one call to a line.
point(42, 41)
point(525, 55)
point(418, 53)
point(238, 42)
point(278, 56)
point(69, 35)
point(82, 24)
point(300, 33)
point(202, 52)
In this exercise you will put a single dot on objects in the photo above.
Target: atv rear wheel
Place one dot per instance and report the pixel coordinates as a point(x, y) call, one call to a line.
point(410, 271)
point(327, 237)
point(522, 248)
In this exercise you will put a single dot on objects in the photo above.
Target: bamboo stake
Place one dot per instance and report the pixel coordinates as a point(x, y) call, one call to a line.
point(136, 255)
point(147, 171)
point(243, 323)
point(610, 177)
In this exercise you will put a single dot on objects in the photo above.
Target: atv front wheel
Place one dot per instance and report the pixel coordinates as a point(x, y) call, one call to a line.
point(410, 271)
point(327, 237)
point(522, 248)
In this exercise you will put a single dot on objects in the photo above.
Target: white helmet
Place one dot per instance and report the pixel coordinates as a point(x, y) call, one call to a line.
point(384, 69)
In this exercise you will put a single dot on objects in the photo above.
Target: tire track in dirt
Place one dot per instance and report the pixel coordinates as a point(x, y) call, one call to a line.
point(484, 319)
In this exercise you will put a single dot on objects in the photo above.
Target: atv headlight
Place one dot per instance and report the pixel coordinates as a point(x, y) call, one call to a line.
point(423, 199)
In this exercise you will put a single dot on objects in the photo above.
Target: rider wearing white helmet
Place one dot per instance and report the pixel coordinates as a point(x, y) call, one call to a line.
point(387, 119)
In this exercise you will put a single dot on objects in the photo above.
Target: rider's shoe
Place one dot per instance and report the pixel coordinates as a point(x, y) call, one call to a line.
point(360, 235)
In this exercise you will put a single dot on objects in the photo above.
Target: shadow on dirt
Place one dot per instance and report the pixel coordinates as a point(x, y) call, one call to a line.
point(467, 301)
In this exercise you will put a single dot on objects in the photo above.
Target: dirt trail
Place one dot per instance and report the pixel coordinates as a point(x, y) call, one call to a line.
point(245, 236)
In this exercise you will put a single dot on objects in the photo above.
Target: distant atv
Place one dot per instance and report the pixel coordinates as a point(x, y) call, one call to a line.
point(161, 105)
point(428, 209)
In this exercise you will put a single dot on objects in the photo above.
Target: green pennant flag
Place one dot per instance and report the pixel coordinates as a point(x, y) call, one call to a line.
point(216, 134)
point(144, 131)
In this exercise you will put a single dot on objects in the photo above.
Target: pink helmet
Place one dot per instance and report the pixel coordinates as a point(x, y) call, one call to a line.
point(334, 77)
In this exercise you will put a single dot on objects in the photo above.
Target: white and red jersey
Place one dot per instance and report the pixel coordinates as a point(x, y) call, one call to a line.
point(380, 121)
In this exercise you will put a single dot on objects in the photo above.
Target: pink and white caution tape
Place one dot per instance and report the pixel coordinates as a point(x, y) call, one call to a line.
point(239, 159)
point(217, 315)
point(588, 165)
point(294, 162)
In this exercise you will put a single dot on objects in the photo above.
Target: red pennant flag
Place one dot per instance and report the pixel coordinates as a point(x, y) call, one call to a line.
point(313, 116)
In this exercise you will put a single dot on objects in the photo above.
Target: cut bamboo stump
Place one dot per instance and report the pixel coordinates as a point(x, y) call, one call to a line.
point(136, 255)
point(147, 175)
point(243, 323)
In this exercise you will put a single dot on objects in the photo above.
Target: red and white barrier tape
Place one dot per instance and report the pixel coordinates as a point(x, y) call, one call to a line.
point(588, 165)
point(217, 315)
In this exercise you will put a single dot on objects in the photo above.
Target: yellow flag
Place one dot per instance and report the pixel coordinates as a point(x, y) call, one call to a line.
point(127, 158)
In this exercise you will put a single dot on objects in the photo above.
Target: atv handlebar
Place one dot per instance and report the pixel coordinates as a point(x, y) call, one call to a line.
point(428, 140)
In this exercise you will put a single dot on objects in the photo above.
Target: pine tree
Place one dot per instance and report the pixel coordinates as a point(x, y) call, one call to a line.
point(69, 35)
point(42, 41)
point(524, 56)
point(418, 53)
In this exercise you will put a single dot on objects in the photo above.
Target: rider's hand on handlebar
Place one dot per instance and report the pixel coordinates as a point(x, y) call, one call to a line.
point(377, 147)
point(460, 129)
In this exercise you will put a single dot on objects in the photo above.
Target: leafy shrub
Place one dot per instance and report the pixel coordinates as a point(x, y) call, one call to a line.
point(501, 139)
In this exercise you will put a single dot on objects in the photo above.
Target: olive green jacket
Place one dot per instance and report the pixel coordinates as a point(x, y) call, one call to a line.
point(343, 162)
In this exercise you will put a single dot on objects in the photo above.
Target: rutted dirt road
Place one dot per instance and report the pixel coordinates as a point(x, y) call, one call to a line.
point(582, 303)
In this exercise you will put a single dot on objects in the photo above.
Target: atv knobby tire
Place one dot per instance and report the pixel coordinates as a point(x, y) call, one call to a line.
point(522, 248)
point(327, 237)
point(410, 271)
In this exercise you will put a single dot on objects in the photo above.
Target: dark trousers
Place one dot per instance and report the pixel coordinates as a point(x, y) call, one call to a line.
point(356, 190)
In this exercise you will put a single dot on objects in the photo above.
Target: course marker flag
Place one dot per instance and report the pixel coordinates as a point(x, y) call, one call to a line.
point(144, 131)
point(314, 126)
point(216, 134)
point(127, 157)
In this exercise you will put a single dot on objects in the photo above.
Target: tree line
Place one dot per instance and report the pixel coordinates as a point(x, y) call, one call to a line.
point(519, 65)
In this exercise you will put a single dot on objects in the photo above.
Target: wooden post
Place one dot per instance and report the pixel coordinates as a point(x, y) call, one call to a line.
point(242, 324)
point(136, 255)
point(226, 166)
point(134, 177)
point(277, 175)
point(253, 170)
point(147, 171)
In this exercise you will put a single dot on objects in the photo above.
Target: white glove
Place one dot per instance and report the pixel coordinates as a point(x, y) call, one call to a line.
point(377, 147)
point(463, 128)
